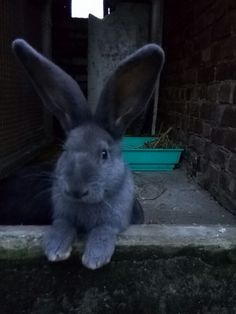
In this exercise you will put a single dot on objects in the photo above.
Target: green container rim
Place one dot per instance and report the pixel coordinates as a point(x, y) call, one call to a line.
point(129, 147)
point(152, 150)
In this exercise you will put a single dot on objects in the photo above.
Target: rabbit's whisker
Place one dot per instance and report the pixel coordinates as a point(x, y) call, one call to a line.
point(108, 204)
point(45, 191)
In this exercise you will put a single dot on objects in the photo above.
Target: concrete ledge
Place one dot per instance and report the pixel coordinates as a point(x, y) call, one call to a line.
point(213, 242)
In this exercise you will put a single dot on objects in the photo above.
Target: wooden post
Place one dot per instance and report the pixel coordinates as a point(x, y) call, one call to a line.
point(156, 37)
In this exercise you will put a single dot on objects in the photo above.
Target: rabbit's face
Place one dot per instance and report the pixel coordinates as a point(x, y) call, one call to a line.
point(91, 167)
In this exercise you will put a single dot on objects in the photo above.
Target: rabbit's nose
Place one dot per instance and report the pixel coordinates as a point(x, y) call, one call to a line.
point(78, 194)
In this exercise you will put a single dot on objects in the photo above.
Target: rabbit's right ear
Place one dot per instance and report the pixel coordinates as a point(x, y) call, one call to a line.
point(58, 91)
point(129, 89)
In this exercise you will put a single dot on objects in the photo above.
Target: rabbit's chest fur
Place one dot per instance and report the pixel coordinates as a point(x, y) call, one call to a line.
point(114, 210)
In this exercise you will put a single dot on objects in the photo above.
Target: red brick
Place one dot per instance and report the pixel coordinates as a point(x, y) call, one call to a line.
point(202, 92)
point(234, 95)
point(223, 50)
point(226, 200)
point(220, 9)
point(197, 143)
point(206, 130)
point(194, 93)
point(232, 164)
point(182, 94)
point(206, 19)
point(232, 4)
point(221, 28)
point(178, 121)
point(194, 109)
point(180, 107)
point(229, 117)
point(190, 93)
point(228, 183)
point(203, 39)
point(206, 74)
point(217, 113)
point(203, 162)
point(233, 21)
point(212, 92)
point(203, 6)
point(205, 111)
point(190, 76)
point(217, 155)
point(206, 54)
point(194, 59)
point(212, 176)
point(225, 93)
point(226, 71)
point(195, 126)
point(230, 139)
point(212, 112)
point(218, 135)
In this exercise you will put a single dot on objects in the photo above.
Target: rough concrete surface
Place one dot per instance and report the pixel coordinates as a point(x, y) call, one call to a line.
point(173, 198)
point(179, 285)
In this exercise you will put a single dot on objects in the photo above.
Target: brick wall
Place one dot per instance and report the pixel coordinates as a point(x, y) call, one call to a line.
point(198, 90)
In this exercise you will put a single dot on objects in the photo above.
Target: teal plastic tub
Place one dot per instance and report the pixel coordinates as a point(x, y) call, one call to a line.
point(146, 159)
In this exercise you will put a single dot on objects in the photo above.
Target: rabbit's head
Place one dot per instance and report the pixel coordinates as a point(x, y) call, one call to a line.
point(91, 165)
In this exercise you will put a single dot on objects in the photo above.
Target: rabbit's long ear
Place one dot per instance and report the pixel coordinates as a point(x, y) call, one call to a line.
point(129, 89)
point(58, 91)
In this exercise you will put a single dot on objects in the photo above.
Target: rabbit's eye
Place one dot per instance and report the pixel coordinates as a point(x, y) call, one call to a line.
point(104, 154)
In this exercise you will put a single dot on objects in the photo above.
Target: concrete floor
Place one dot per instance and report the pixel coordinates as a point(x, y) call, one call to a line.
point(174, 198)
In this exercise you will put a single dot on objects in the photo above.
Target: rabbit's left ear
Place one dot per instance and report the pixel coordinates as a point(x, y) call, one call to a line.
point(58, 90)
point(129, 89)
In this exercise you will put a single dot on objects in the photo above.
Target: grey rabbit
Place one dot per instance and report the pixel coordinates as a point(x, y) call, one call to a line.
point(93, 188)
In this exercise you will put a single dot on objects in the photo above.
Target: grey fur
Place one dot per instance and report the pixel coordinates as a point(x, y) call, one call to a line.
point(93, 189)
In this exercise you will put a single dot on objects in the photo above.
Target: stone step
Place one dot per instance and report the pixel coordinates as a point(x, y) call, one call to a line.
point(211, 242)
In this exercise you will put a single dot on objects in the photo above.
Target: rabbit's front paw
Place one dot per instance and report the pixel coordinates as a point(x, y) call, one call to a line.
point(56, 247)
point(93, 259)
